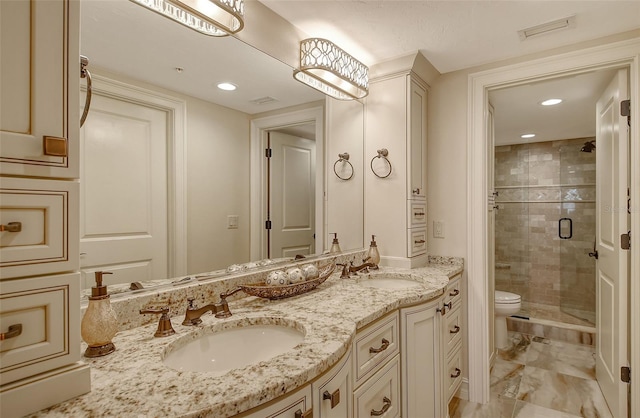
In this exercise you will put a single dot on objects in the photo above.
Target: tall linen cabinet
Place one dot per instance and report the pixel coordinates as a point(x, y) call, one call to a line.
point(395, 193)
point(39, 206)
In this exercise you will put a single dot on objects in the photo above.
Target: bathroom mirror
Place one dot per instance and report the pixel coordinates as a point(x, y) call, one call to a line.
point(149, 64)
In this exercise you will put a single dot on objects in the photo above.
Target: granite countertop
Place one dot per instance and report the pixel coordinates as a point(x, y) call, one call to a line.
point(133, 381)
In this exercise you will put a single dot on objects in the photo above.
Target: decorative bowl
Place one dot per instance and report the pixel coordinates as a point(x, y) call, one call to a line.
point(280, 292)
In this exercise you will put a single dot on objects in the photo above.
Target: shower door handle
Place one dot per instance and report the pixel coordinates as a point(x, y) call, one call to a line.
point(560, 228)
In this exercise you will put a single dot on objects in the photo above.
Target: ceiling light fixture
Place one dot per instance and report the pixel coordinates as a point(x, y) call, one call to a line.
point(329, 69)
point(527, 136)
point(210, 17)
point(227, 86)
point(551, 102)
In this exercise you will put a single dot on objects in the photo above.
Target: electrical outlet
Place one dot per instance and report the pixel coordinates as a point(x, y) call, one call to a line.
point(438, 229)
point(232, 221)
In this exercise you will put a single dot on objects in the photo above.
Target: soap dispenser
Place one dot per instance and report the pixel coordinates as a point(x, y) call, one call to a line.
point(335, 246)
point(99, 323)
point(373, 254)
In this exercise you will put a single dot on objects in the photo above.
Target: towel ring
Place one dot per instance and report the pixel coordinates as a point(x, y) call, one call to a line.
point(343, 158)
point(382, 153)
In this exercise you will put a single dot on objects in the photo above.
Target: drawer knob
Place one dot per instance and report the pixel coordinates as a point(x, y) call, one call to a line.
point(455, 292)
point(455, 330)
point(14, 331)
point(384, 346)
point(457, 373)
point(418, 214)
point(11, 227)
point(307, 414)
point(443, 310)
point(416, 190)
point(334, 397)
point(385, 408)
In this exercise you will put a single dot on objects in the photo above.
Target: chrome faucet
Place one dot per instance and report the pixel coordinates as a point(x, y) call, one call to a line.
point(220, 309)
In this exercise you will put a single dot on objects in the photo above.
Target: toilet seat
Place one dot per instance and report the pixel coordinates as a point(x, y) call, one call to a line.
point(507, 298)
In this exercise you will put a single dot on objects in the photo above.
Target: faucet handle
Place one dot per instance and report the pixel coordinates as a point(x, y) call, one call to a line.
point(191, 304)
point(164, 325)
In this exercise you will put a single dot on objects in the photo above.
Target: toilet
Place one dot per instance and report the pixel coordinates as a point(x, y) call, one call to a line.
point(506, 304)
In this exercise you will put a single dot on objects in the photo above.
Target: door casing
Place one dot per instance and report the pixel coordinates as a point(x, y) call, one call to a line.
point(612, 55)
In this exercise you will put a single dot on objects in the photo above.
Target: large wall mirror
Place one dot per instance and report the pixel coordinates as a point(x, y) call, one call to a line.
point(168, 180)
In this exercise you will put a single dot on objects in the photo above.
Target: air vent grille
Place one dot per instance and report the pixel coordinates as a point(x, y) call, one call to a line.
point(263, 100)
point(545, 28)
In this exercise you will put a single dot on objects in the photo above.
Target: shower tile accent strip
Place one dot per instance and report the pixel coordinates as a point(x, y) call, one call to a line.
point(538, 184)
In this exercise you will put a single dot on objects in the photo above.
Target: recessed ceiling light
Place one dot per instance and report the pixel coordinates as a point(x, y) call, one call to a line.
point(526, 136)
point(227, 86)
point(551, 102)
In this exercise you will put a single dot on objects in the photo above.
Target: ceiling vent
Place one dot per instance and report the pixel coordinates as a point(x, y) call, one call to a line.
point(263, 100)
point(545, 28)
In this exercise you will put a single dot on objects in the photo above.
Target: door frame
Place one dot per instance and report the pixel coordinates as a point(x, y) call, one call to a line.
point(612, 55)
point(259, 127)
point(176, 111)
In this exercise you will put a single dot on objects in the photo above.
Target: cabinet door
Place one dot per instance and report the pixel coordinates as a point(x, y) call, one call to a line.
point(421, 361)
point(417, 141)
point(332, 392)
point(40, 78)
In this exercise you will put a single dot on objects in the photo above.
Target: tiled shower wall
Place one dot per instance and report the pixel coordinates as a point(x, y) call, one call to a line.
point(538, 184)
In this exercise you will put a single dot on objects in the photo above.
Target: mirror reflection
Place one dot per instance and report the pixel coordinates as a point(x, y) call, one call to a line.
point(166, 167)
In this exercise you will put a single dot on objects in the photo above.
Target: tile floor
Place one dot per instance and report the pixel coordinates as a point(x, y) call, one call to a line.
point(540, 378)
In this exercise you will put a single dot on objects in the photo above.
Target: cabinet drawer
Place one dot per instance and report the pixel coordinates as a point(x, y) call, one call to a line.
point(454, 293)
point(417, 215)
point(47, 309)
point(417, 241)
point(380, 393)
point(373, 344)
point(453, 329)
point(47, 240)
point(453, 373)
point(288, 406)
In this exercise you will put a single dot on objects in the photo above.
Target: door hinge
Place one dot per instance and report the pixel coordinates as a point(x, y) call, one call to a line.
point(625, 110)
point(267, 152)
point(625, 374)
point(267, 225)
point(625, 241)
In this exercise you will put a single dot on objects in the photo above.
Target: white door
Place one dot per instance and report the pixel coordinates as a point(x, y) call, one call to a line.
point(612, 156)
point(491, 226)
point(123, 209)
point(293, 185)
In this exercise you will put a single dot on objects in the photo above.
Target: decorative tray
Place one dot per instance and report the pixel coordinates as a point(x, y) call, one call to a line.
point(289, 290)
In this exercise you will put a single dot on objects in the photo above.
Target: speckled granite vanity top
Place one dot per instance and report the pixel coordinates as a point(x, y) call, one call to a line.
point(134, 382)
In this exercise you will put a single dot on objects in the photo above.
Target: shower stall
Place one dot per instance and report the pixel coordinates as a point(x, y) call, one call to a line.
point(545, 228)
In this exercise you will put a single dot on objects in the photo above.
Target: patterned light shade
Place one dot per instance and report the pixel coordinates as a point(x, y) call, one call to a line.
point(329, 69)
point(211, 17)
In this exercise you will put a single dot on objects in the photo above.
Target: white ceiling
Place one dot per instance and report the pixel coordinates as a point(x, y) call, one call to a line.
point(122, 37)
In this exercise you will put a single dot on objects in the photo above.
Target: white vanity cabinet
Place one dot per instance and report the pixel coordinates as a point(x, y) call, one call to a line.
point(396, 120)
point(39, 280)
point(452, 338)
point(331, 393)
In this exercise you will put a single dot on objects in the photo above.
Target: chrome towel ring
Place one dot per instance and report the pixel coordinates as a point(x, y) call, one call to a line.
point(382, 153)
point(343, 158)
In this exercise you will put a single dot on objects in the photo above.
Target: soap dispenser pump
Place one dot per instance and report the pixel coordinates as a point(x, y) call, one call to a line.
point(335, 245)
point(373, 254)
point(99, 323)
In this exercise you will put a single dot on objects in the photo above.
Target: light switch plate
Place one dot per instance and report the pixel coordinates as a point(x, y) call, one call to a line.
point(438, 229)
point(232, 221)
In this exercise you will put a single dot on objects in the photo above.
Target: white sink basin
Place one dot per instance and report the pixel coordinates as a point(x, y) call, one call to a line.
point(221, 351)
point(389, 281)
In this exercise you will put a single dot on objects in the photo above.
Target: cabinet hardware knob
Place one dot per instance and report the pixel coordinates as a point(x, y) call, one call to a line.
point(14, 331)
point(455, 292)
point(54, 146)
point(384, 346)
point(307, 414)
point(419, 241)
point(455, 330)
point(11, 227)
point(416, 191)
point(385, 408)
point(457, 373)
point(418, 214)
point(443, 310)
point(334, 397)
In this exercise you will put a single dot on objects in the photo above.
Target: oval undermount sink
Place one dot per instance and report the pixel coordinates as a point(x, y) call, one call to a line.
point(389, 281)
point(221, 351)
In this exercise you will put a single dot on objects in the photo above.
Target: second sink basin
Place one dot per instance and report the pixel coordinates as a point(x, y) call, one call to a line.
point(221, 351)
point(389, 281)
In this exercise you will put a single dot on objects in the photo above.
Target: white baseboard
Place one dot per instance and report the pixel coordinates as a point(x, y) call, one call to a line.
point(463, 393)
point(34, 393)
